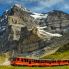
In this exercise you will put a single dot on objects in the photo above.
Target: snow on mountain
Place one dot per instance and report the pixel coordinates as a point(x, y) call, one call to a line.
point(50, 34)
point(39, 15)
point(22, 8)
point(18, 5)
point(3, 28)
point(43, 33)
point(33, 14)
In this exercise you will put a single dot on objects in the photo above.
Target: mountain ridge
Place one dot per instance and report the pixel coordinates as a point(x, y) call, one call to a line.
point(21, 29)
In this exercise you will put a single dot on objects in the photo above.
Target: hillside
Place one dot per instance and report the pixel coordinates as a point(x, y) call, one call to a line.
point(62, 53)
point(11, 67)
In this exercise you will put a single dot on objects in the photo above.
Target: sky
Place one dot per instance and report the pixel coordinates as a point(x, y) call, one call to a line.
point(39, 6)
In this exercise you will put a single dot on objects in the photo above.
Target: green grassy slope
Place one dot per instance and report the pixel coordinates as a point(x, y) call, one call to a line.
point(58, 55)
point(18, 67)
point(2, 58)
point(62, 53)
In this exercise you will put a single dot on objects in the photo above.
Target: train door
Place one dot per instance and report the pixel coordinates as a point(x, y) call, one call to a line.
point(29, 61)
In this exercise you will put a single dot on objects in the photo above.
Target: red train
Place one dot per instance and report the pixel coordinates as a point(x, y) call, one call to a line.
point(37, 62)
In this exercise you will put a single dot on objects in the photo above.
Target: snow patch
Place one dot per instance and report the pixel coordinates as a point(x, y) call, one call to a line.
point(18, 5)
point(6, 11)
point(22, 8)
point(2, 28)
point(2, 19)
point(43, 33)
point(39, 15)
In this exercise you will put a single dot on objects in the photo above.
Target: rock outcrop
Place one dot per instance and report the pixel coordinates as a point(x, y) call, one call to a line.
point(58, 21)
point(4, 33)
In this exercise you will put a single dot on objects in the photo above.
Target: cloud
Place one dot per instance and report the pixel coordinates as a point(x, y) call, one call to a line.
point(46, 4)
point(6, 1)
point(49, 3)
point(66, 7)
point(39, 5)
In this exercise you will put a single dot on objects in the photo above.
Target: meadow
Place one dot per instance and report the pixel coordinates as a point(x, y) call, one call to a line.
point(21, 67)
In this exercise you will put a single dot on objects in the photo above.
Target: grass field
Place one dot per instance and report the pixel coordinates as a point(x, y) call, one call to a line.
point(11, 67)
point(62, 53)
point(2, 58)
point(58, 55)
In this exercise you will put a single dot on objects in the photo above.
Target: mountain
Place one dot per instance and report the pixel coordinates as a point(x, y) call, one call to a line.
point(28, 33)
point(58, 21)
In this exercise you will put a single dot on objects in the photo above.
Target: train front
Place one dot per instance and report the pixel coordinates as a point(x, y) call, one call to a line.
point(13, 61)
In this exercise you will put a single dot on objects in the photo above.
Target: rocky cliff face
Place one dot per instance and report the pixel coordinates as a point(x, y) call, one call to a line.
point(58, 21)
point(29, 41)
point(22, 35)
point(25, 31)
point(18, 18)
point(4, 33)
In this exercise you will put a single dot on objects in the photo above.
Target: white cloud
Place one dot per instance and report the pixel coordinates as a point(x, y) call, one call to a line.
point(49, 3)
point(66, 6)
point(46, 4)
point(6, 1)
point(42, 4)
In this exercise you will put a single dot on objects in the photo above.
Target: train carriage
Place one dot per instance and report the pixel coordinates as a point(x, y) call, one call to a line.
point(37, 62)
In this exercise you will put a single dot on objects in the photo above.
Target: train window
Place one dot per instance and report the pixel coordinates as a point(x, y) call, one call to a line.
point(22, 60)
point(41, 61)
point(64, 60)
point(53, 61)
point(38, 61)
point(44, 61)
point(49, 62)
point(58, 61)
point(29, 61)
point(34, 61)
point(17, 59)
point(26, 60)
